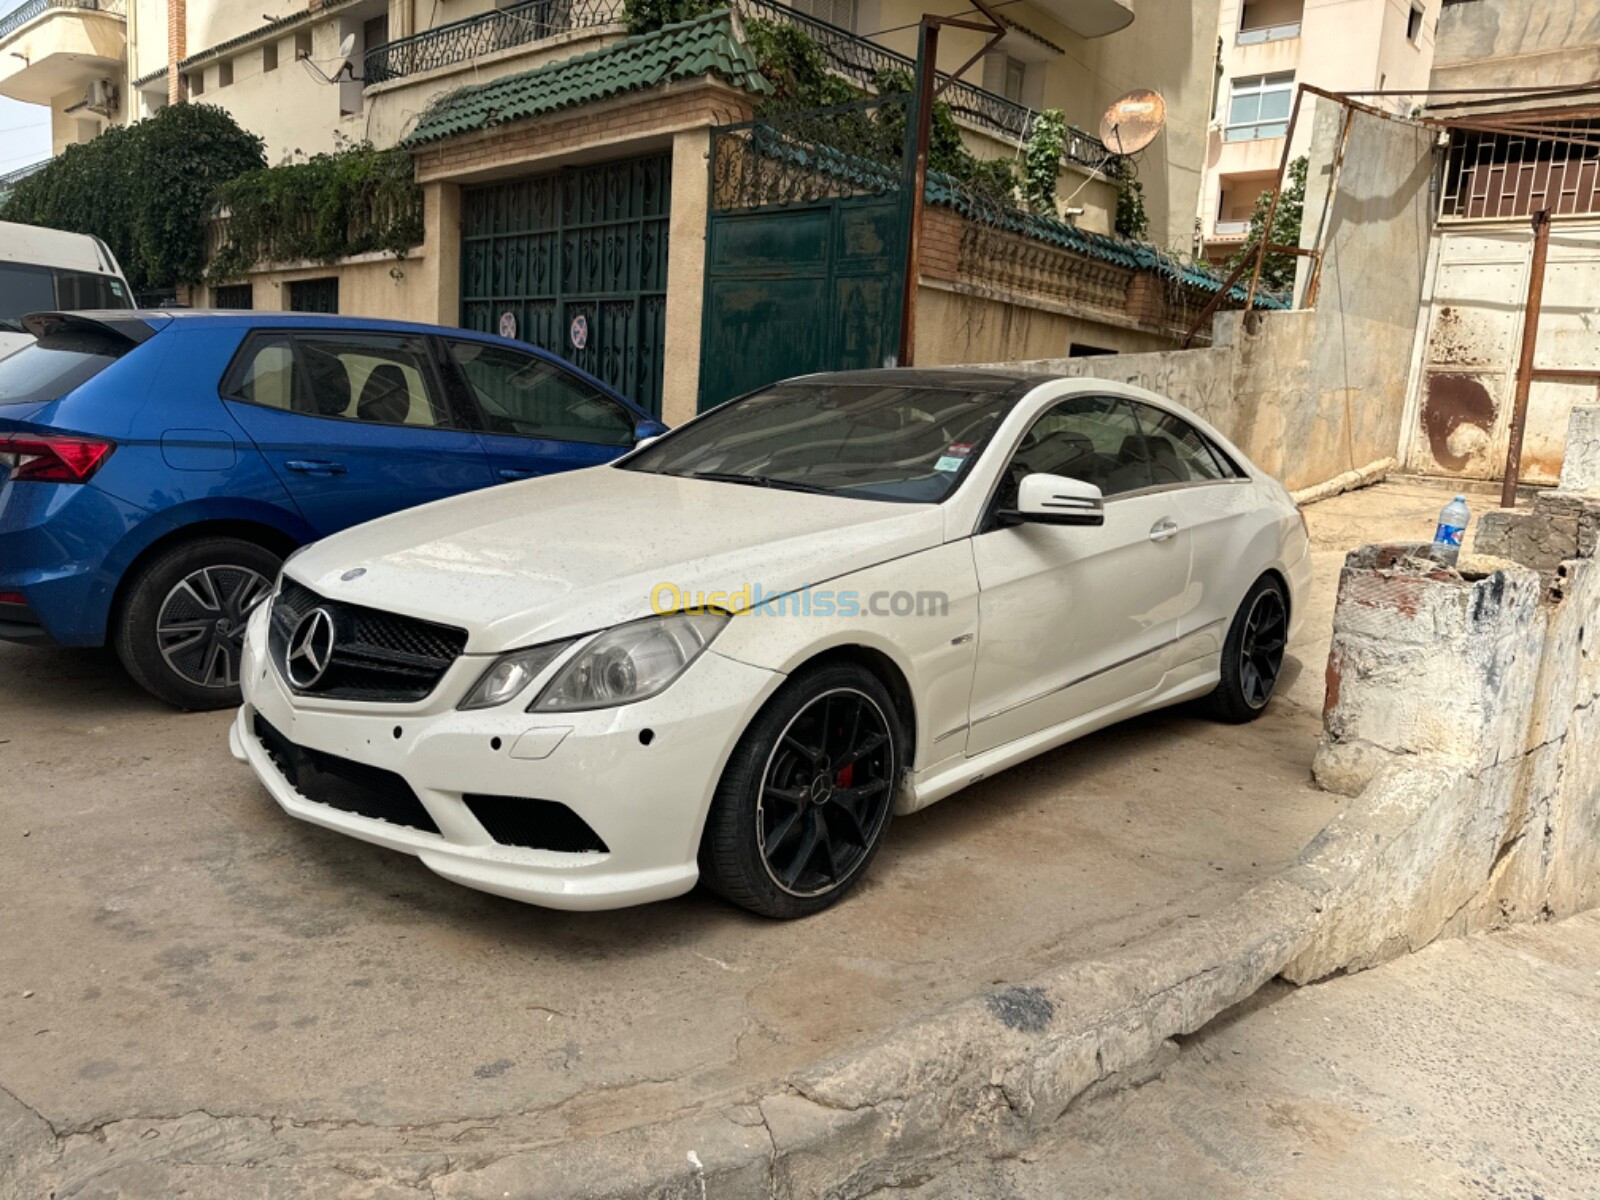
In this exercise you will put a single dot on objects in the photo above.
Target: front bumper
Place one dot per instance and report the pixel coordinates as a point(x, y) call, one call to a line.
point(646, 801)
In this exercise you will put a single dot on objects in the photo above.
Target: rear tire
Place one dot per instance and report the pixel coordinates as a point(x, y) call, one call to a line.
point(807, 794)
point(1252, 656)
point(180, 630)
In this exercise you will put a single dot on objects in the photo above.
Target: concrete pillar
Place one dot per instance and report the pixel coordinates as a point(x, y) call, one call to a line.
point(1427, 662)
point(1580, 469)
point(441, 250)
point(686, 275)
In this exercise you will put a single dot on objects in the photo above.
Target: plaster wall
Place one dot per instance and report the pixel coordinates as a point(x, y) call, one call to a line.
point(1518, 43)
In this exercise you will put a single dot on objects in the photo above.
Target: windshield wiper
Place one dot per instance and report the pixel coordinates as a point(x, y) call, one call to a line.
point(766, 481)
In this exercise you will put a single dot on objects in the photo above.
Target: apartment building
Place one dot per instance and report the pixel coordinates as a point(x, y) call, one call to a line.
point(1265, 49)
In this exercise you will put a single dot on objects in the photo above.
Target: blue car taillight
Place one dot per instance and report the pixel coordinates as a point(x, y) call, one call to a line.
point(52, 458)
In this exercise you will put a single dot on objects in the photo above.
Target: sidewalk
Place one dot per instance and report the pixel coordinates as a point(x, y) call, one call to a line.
point(1469, 1069)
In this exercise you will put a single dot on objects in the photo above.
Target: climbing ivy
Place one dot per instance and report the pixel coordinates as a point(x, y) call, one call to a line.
point(1131, 219)
point(1277, 272)
point(646, 16)
point(144, 189)
point(1041, 161)
point(330, 206)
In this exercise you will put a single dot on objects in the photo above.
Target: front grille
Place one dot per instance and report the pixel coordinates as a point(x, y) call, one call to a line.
point(535, 824)
point(350, 787)
point(378, 657)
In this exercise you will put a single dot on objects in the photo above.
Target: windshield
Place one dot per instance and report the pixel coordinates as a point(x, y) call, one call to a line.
point(51, 367)
point(910, 444)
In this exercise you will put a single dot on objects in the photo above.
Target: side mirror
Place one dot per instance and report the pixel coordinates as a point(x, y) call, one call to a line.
point(647, 432)
point(645, 440)
point(1055, 500)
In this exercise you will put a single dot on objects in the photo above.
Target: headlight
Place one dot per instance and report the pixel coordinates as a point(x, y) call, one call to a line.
point(510, 673)
point(630, 662)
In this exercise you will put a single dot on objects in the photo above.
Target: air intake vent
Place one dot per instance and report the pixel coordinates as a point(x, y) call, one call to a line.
point(535, 824)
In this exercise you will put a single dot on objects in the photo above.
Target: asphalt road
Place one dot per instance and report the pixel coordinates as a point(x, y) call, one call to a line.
point(174, 943)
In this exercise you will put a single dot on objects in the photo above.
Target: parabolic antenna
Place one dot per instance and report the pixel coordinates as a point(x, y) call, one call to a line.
point(1133, 122)
point(348, 45)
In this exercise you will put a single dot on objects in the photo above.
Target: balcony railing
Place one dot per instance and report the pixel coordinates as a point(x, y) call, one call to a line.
point(861, 60)
point(462, 41)
point(29, 9)
point(1269, 33)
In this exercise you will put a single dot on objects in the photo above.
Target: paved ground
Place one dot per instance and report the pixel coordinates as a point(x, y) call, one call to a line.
point(1471, 1069)
point(176, 944)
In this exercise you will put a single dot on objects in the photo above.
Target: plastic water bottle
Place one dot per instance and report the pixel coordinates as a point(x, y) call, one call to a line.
point(1453, 520)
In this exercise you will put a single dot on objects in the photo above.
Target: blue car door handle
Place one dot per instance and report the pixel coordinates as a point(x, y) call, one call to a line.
point(314, 466)
point(517, 473)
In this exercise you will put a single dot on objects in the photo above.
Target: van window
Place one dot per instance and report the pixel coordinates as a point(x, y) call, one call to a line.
point(24, 289)
point(56, 364)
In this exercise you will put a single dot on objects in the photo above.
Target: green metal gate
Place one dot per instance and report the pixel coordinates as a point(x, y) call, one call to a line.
point(805, 247)
point(575, 261)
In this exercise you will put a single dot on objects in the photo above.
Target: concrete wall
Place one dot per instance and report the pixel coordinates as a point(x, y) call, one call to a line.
point(1518, 43)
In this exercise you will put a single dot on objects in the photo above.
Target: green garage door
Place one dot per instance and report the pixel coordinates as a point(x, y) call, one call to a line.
point(575, 261)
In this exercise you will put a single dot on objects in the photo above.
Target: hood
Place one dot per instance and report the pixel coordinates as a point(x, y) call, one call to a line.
point(530, 562)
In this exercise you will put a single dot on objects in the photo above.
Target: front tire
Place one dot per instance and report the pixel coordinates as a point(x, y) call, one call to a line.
point(1252, 656)
point(180, 631)
point(807, 795)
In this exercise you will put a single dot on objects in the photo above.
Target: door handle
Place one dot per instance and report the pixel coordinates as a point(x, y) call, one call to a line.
point(516, 473)
point(1164, 530)
point(314, 466)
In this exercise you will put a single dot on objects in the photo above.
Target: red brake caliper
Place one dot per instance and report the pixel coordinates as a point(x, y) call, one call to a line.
point(846, 777)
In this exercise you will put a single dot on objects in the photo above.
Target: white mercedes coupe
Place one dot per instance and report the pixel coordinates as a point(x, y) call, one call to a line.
point(734, 654)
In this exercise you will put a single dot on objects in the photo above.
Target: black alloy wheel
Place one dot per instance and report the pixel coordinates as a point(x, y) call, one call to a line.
point(1252, 655)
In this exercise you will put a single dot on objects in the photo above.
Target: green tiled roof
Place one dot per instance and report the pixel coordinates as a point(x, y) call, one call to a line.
point(687, 50)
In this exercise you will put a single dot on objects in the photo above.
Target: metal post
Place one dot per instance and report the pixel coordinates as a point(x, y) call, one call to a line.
point(1530, 344)
point(914, 179)
point(1310, 299)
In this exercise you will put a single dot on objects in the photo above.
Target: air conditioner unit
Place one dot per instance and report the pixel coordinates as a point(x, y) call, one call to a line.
point(101, 97)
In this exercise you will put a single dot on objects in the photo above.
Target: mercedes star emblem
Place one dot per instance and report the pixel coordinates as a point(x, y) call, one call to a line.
point(310, 648)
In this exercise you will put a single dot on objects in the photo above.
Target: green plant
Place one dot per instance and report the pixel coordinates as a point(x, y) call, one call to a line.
point(1041, 161)
point(331, 206)
point(1132, 222)
point(795, 66)
point(993, 178)
point(646, 16)
point(1277, 271)
point(144, 189)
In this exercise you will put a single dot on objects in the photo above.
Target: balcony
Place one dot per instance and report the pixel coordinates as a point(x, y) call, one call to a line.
point(1269, 33)
point(467, 40)
point(860, 61)
point(51, 46)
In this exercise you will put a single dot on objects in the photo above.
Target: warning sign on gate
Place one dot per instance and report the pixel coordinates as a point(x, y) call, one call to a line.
point(580, 332)
point(508, 324)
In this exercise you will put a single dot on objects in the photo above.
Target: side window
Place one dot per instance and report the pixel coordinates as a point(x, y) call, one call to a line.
point(78, 289)
point(531, 397)
point(1093, 438)
point(1178, 451)
point(265, 374)
point(378, 379)
point(24, 290)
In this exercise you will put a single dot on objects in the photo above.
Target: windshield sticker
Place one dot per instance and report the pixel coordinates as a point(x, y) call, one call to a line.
point(950, 462)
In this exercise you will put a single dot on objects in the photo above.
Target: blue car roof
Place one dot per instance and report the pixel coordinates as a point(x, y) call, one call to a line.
point(157, 319)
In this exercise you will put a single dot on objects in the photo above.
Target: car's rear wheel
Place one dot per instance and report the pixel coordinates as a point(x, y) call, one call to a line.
point(806, 796)
point(180, 631)
point(1252, 656)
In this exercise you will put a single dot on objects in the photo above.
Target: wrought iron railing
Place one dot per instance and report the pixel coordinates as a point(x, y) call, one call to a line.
point(861, 61)
point(462, 41)
point(27, 11)
point(11, 178)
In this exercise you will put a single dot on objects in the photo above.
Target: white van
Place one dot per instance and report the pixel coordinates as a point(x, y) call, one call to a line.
point(43, 270)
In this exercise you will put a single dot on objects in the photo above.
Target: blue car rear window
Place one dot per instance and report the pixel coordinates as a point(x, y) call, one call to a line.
point(56, 364)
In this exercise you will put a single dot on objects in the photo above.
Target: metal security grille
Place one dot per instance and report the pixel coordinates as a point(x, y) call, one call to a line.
point(240, 296)
point(314, 295)
point(1495, 175)
point(576, 262)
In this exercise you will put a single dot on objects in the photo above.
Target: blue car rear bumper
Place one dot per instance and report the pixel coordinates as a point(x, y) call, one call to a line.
point(64, 547)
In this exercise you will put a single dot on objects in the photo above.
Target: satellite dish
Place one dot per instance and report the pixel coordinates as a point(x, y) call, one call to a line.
point(1133, 121)
point(348, 47)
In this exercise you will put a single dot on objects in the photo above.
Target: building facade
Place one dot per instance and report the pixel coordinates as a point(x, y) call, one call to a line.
point(1265, 49)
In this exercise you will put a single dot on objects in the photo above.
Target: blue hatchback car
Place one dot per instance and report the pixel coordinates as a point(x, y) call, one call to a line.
point(157, 467)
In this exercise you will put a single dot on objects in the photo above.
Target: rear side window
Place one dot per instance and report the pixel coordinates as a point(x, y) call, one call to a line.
point(374, 378)
point(78, 289)
point(56, 364)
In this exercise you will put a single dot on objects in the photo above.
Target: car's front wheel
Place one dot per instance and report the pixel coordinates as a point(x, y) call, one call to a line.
point(807, 794)
point(1252, 656)
point(180, 630)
